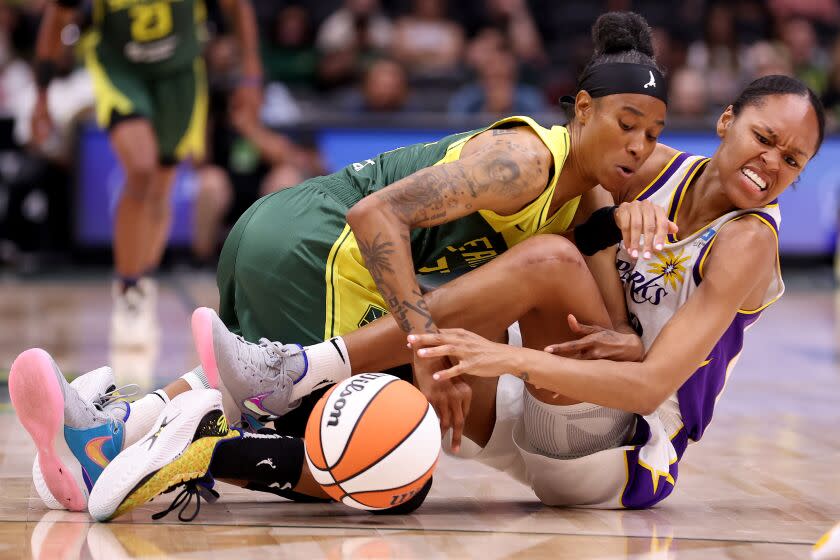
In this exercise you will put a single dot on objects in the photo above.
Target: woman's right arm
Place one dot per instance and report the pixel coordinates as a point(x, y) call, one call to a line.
point(499, 170)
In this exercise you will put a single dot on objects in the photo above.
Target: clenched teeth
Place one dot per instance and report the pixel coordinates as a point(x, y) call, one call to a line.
point(753, 176)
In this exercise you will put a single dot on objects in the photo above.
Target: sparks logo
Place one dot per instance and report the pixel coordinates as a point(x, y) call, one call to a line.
point(670, 270)
point(93, 449)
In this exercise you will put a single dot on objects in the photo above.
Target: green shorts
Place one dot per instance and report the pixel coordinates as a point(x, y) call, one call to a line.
point(291, 271)
point(176, 104)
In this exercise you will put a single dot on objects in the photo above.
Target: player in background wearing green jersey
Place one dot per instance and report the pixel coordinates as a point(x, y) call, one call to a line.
point(151, 97)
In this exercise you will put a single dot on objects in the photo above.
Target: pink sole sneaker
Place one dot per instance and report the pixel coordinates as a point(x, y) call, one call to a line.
point(39, 403)
point(202, 331)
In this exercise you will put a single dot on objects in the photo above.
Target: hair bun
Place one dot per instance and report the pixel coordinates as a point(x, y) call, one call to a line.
point(616, 32)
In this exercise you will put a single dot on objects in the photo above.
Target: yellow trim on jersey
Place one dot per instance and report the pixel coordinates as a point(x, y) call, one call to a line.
point(193, 141)
point(655, 474)
point(534, 218)
point(676, 432)
point(778, 264)
point(350, 287)
point(687, 183)
point(108, 97)
point(661, 173)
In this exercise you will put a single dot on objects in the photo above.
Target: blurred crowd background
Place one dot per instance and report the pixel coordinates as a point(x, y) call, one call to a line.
point(397, 60)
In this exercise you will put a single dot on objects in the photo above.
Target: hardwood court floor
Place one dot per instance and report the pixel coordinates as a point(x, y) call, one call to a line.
point(764, 483)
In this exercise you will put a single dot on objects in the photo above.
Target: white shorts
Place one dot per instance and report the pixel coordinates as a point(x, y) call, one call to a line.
point(630, 476)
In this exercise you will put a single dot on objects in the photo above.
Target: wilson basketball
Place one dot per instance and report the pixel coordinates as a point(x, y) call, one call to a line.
point(372, 441)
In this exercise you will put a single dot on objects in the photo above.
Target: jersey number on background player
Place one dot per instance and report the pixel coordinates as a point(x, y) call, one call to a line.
point(150, 21)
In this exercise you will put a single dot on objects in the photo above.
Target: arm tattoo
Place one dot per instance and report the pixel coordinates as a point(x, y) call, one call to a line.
point(420, 307)
point(377, 257)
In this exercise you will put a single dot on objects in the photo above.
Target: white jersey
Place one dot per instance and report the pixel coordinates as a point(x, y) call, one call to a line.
point(643, 472)
point(657, 287)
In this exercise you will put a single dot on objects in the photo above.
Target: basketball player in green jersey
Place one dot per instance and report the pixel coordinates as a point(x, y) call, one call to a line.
point(316, 261)
point(151, 96)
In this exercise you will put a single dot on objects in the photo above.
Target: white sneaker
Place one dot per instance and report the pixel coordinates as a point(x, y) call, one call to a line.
point(134, 321)
point(75, 439)
point(94, 386)
point(177, 450)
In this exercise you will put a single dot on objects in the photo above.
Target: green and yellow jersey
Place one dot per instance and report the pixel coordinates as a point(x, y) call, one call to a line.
point(458, 246)
point(291, 268)
point(155, 37)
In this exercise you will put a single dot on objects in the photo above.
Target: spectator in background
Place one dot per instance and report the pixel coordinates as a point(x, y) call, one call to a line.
point(245, 161)
point(716, 56)
point(827, 11)
point(513, 18)
point(384, 90)
point(349, 39)
point(497, 90)
point(289, 54)
point(426, 42)
point(687, 95)
point(810, 63)
point(252, 162)
point(15, 74)
point(765, 58)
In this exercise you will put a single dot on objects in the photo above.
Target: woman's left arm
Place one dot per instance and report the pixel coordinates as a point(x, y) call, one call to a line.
point(739, 266)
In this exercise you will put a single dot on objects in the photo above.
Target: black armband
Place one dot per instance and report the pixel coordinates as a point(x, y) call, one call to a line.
point(68, 3)
point(598, 232)
point(45, 71)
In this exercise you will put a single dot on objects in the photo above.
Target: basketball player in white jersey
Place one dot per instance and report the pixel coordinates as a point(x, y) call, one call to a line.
point(610, 434)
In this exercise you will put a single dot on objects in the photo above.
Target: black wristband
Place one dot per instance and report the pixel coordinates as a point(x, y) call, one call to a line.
point(598, 232)
point(45, 71)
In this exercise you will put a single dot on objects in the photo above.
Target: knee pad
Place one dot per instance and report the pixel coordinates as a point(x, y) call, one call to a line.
point(569, 432)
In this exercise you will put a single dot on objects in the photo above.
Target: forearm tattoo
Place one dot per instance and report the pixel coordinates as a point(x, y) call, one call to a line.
point(377, 257)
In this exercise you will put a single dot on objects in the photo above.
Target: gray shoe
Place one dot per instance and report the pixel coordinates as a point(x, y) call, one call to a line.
point(259, 377)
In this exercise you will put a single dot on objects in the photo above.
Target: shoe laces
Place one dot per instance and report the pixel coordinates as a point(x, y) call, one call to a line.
point(112, 396)
point(201, 488)
point(116, 394)
point(265, 354)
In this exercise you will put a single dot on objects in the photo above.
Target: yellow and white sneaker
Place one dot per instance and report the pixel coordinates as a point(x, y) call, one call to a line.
point(828, 547)
point(176, 451)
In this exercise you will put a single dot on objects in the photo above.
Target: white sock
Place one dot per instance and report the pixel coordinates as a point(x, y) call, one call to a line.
point(196, 379)
point(329, 363)
point(142, 414)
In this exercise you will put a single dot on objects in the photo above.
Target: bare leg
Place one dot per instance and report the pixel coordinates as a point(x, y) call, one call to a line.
point(538, 283)
point(136, 146)
point(215, 196)
point(159, 216)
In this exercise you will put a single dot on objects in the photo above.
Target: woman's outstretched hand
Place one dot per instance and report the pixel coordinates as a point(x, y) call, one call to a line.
point(470, 353)
point(598, 343)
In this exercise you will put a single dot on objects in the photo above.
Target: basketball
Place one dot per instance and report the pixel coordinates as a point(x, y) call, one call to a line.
point(372, 441)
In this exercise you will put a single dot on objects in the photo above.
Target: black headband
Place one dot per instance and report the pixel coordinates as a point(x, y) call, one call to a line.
point(623, 77)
